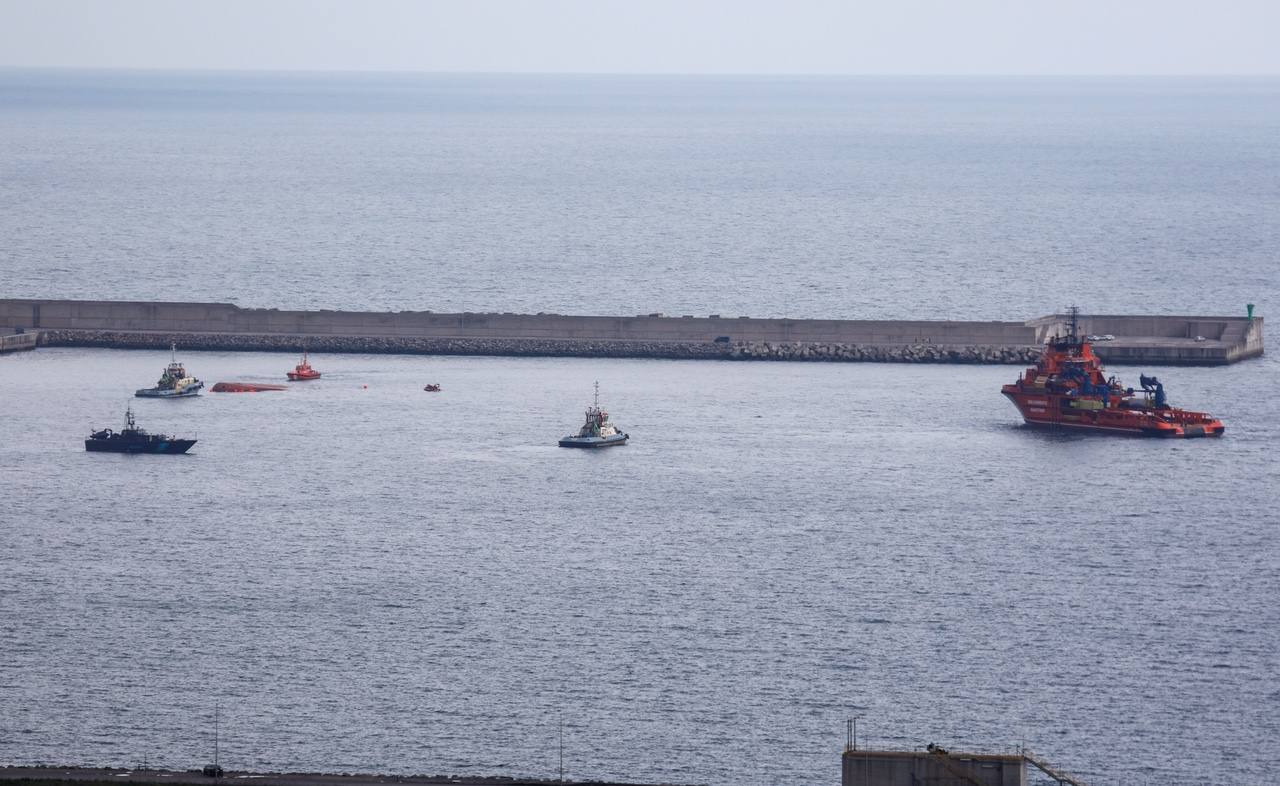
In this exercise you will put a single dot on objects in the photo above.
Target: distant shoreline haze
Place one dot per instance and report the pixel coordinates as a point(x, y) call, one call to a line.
point(816, 197)
point(765, 76)
point(660, 36)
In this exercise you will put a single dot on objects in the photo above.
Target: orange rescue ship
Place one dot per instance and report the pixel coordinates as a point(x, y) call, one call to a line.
point(303, 370)
point(1067, 389)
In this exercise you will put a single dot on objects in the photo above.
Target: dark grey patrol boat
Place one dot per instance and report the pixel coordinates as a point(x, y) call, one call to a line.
point(598, 432)
point(132, 439)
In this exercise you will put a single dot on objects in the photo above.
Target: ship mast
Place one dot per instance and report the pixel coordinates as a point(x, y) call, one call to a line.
point(1074, 312)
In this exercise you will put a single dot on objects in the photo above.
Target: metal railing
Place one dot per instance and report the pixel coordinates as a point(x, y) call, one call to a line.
point(18, 341)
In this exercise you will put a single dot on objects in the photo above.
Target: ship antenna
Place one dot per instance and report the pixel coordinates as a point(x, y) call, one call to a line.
point(1074, 311)
point(173, 352)
point(597, 399)
point(215, 737)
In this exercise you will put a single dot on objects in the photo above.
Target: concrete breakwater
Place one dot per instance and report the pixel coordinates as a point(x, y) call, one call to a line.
point(1157, 340)
point(679, 350)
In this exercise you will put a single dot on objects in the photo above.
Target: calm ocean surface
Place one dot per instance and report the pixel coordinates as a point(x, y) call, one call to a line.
point(383, 579)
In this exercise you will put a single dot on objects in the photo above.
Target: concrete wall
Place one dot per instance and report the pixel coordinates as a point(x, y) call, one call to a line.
point(1145, 340)
point(1250, 343)
point(1188, 327)
point(913, 768)
point(119, 315)
point(1164, 340)
point(222, 317)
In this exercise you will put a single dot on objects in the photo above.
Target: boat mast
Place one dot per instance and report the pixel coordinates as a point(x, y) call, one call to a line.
point(1074, 311)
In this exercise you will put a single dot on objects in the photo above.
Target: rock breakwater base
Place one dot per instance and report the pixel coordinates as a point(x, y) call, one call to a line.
point(817, 352)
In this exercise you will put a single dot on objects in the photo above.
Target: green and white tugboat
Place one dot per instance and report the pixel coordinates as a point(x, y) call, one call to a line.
point(174, 383)
point(597, 432)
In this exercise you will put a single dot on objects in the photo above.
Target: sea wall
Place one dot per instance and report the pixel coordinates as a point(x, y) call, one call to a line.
point(1147, 340)
point(679, 350)
point(226, 318)
point(1164, 340)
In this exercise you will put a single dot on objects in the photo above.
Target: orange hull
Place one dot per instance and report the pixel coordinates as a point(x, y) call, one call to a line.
point(244, 387)
point(1056, 411)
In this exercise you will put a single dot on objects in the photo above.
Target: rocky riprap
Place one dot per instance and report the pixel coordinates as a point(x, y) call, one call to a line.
point(764, 350)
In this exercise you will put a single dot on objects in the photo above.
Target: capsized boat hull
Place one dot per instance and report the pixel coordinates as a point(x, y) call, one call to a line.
point(245, 387)
point(594, 442)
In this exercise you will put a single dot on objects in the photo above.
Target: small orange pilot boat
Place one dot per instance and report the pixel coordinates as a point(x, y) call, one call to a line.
point(1067, 388)
point(303, 370)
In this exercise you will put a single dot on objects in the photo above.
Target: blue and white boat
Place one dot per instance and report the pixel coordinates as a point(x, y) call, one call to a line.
point(598, 432)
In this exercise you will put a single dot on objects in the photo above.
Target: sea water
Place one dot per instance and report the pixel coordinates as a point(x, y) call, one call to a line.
point(366, 577)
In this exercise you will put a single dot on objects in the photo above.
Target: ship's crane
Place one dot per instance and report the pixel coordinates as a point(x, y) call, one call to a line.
point(1156, 387)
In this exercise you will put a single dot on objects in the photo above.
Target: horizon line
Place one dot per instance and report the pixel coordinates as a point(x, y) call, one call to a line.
point(696, 74)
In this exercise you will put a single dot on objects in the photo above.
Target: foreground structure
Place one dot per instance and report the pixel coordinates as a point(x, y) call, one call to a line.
point(937, 766)
point(1150, 340)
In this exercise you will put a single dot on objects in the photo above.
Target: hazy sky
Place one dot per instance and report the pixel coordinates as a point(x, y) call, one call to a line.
point(652, 36)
